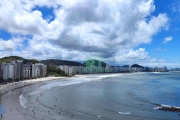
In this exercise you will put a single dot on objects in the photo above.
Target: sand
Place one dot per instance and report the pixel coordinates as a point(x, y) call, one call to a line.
point(10, 98)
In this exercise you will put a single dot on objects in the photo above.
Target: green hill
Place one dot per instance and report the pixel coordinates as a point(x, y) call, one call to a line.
point(137, 66)
point(8, 59)
point(46, 62)
point(60, 62)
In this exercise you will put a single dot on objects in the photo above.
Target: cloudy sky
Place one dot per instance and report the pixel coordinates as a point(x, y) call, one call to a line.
point(116, 31)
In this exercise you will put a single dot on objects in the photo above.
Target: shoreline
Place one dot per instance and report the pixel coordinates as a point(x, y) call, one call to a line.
point(4, 88)
point(12, 85)
point(10, 94)
point(10, 97)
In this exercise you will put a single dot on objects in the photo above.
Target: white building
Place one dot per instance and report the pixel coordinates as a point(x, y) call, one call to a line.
point(8, 71)
point(39, 70)
point(69, 70)
point(27, 70)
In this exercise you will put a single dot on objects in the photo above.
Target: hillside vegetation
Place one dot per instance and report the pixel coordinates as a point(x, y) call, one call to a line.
point(8, 59)
point(61, 62)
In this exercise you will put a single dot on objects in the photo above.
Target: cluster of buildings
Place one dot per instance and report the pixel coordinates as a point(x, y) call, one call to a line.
point(175, 69)
point(156, 69)
point(16, 70)
point(72, 70)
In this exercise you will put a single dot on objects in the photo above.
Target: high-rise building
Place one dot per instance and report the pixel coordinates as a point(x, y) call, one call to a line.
point(5, 72)
point(39, 70)
point(8, 71)
point(19, 71)
point(27, 70)
point(2, 65)
point(1, 73)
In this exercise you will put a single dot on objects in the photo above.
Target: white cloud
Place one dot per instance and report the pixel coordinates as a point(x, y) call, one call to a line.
point(131, 56)
point(11, 44)
point(167, 39)
point(83, 28)
point(160, 50)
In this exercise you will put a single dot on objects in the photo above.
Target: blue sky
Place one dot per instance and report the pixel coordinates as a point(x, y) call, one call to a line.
point(170, 50)
point(118, 32)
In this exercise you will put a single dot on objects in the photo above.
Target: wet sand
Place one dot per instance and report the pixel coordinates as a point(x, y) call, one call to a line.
point(10, 98)
point(39, 107)
point(14, 110)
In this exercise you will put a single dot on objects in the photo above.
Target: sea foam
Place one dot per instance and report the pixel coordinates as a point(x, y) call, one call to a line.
point(22, 101)
point(124, 113)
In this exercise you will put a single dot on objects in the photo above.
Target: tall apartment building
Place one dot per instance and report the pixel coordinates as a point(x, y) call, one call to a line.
point(65, 68)
point(69, 70)
point(8, 71)
point(39, 69)
point(17, 70)
point(27, 68)
point(1, 74)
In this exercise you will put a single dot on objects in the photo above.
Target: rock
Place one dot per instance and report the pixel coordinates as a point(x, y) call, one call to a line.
point(173, 109)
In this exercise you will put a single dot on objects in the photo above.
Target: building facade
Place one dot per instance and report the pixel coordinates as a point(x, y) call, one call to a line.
point(17, 70)
point(27, 68)
point(39, 70)
point(1, 74)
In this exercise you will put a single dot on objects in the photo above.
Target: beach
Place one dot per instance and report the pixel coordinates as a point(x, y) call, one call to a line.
point(10, 96)
point(135, 96)
point(12, 93)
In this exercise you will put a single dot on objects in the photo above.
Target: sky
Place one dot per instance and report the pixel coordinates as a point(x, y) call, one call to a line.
point(118, 32)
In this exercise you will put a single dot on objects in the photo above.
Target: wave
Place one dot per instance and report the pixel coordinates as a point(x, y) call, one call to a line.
point(124, 113)
point(77, 80)
point(168, 108)
point(71, 81)
point(22, 101)
point(159, 72)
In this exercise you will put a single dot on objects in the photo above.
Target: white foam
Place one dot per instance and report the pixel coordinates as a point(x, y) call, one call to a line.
point(168, 106)
point(22, 101)
point(124, 113)
point(159, 72)
point(71, 81)
point(165, 106)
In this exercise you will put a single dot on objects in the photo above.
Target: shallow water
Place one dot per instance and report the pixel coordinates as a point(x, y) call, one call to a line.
point(129, 96)
point(2, 110)
point(108, 97)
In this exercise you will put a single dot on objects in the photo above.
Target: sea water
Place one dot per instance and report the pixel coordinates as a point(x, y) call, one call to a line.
point(112, 97)
point(2, 110)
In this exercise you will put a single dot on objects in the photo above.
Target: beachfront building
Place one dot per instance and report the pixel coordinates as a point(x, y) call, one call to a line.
point(175, 69)
point(2, 65)
point(1, 74)
point(69, 70)
point(18, 68)
point(27, 68)
point(163, 69)
point(8, 71)
point(64, 68)
point(39, 70)
point(125, 68)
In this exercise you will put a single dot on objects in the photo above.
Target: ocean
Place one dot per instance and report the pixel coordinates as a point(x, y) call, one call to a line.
point(107, 97)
